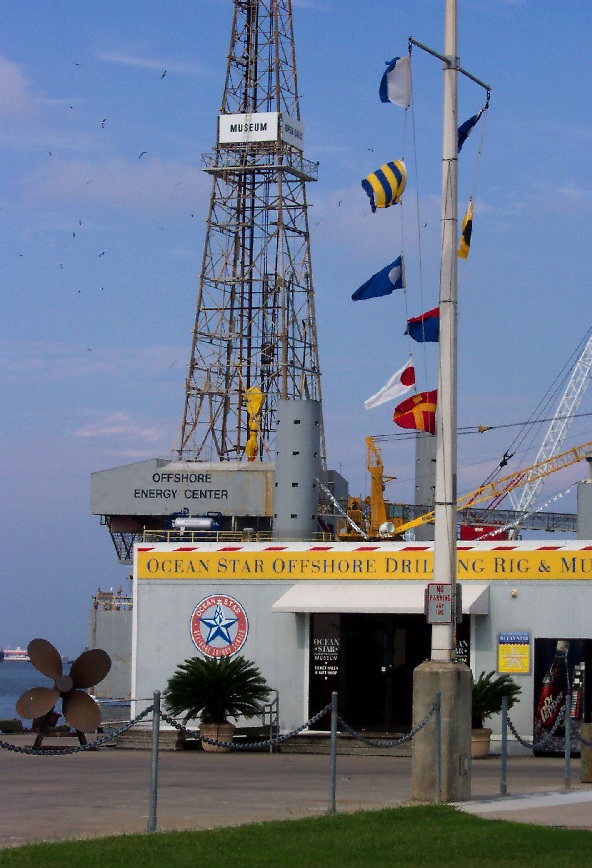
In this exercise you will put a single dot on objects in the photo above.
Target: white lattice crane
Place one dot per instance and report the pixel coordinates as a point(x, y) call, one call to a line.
point(558, 429)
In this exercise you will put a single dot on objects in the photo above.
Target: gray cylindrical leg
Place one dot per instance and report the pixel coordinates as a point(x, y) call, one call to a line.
point(333, 754)
point(154, 763)
point(453, 680)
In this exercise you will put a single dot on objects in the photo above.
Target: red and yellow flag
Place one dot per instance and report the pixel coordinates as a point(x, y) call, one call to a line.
point(418, 411)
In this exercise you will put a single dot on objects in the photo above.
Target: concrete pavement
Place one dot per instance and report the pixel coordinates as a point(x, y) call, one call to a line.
point(106, 792)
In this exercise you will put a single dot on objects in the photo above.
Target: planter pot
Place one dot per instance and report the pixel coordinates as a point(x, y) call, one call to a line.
point(480, 742)
point(219, 732)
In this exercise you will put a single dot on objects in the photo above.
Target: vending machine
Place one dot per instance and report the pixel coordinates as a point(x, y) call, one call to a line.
point(560, 667)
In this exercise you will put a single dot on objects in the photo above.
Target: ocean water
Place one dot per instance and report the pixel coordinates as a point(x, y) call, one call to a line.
point(15, 678)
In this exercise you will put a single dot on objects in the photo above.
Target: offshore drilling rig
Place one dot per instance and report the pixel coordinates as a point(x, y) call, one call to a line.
point(255, 337)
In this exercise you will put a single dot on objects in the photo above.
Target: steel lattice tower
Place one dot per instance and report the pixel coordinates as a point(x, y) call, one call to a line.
point(255, 326)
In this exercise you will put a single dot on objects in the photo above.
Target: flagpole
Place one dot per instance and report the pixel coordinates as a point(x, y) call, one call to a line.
point(442, 676)
point(445, 519)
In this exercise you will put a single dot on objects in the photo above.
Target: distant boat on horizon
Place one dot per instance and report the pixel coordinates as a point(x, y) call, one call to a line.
point(18, 653)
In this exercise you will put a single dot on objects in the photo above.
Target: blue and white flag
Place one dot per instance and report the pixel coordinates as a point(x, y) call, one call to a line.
point(383, 282)
point(395, 84)
point(465, 129)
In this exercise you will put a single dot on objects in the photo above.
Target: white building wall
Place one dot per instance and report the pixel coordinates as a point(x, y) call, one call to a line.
point(275, 641)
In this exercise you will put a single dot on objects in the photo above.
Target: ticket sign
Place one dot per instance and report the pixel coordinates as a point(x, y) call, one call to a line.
point(438, 603)
point(513, 653)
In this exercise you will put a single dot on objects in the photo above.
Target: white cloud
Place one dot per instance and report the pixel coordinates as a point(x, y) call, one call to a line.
point(58, 361)
point(147, 183)
point(127, 59)
point(16, 102)
point(120, 424)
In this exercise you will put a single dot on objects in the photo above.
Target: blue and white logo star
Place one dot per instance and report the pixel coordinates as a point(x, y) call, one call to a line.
point(218, 626)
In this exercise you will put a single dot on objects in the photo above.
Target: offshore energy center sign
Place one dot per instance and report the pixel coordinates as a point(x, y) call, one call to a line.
point(159, 487)
point(372, 563)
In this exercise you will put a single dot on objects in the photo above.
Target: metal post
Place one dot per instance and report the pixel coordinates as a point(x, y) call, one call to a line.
point(445, 513)
point(504, 778)
point(154, 762)
point(438, 757)
point(567, 774)
point(333, 753)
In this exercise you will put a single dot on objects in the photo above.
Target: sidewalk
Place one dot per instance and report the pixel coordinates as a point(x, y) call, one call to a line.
point(106, 792)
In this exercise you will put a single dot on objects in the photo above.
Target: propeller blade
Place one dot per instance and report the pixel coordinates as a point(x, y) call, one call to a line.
point(45, 658)
point(81, 711)
point(90, 668)
point(36, 702)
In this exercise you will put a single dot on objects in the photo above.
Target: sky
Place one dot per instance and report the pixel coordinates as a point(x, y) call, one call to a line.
point(105, 110)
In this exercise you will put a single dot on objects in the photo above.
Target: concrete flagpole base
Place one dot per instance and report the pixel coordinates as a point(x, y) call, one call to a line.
point(453, 680)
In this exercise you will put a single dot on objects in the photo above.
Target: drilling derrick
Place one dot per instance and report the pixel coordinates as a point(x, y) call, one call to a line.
point(255, 337)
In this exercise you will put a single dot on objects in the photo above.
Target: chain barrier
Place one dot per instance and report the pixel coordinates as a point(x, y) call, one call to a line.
point(250, 745)
point(395, 742)
point(580, 738)
point(531, 745)
point(61, 751)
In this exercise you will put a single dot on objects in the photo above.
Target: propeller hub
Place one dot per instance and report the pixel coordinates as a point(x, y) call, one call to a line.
point(64, 683)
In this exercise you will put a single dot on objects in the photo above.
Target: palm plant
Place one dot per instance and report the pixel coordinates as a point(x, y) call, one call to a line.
point(213, 690)
point(488, 694)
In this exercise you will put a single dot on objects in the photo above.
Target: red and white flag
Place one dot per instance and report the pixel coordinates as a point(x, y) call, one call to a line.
point(398, 385)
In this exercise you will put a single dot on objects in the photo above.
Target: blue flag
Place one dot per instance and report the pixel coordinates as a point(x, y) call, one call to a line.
point(465, 129)
point(395, 84)
point(383, 282)
point(425, 328)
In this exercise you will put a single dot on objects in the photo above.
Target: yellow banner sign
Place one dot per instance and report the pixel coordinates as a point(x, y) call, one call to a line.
point(361, 565)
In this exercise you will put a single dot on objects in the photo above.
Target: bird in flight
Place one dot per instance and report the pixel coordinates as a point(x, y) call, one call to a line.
point(142, 154)
point(103, 123)
point(102, 253)
point(163, 75)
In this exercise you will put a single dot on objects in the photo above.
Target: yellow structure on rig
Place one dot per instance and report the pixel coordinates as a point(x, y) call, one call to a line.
point(378, 526)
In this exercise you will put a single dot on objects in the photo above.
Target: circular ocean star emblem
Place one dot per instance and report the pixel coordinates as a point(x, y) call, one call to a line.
point(219, 626)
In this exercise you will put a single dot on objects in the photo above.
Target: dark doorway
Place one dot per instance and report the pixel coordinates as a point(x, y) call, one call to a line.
point(369, 659)
point(380, 653)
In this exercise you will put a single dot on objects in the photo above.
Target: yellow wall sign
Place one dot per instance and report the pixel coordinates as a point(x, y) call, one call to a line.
point(373, 565)
point(513, 653)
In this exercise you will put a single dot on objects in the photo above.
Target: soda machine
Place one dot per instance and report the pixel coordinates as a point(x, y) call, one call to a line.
point(560, 667)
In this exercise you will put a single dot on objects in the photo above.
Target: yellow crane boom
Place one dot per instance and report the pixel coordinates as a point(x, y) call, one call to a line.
point(506, 483)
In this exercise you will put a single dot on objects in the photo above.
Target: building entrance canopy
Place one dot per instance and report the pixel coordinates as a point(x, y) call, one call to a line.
point(400, 597)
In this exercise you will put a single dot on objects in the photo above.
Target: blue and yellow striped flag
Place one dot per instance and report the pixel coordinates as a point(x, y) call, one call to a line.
point(466, 232)
point(385, 186)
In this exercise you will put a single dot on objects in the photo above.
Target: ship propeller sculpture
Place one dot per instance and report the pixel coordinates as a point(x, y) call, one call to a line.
point(80, 710)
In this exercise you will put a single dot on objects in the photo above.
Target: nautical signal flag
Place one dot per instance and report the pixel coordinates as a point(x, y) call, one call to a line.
point(466, 232)
point(418, 412)
point(426, 327)
point(385, 186)
point(465, 129)
point(395, 84)
point(398, 384)
point(383, 282)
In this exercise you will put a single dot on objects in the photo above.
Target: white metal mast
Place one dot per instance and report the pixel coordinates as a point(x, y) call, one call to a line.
point(559, 427)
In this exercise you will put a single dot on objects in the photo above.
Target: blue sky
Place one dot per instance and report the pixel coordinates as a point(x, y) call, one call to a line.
point(100, 248)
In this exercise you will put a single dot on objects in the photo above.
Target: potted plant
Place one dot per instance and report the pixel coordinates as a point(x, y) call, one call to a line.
point(212, 690)
point(487, 696)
